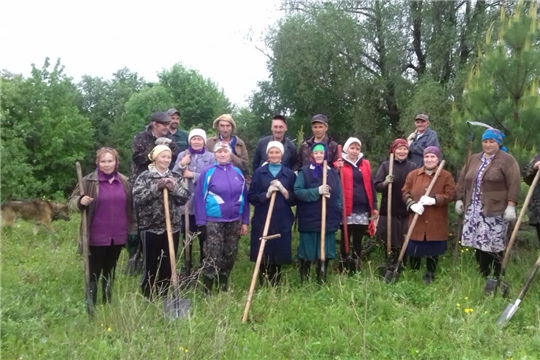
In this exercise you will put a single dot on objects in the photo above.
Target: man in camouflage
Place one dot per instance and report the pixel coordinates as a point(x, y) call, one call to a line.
point(319, 126)
point(534, 206)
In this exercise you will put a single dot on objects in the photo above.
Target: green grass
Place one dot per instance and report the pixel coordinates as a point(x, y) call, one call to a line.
point(44, 317)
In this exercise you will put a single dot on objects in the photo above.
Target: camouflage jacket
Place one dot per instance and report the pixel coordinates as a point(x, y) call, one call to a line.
point(534, 206)
point(149, 200)
point(141, 146)
point(304, 155)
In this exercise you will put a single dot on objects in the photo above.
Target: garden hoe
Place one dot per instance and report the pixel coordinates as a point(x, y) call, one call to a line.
point(263, 240)
point(384, 268)
point(345, 234)
point(187, 279)
point(394, 273)
point(323, 226)
point(493, 283)
point(175, 307)
point(86, 252)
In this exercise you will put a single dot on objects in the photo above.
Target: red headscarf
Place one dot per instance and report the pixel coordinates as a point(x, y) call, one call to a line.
point(397, 143)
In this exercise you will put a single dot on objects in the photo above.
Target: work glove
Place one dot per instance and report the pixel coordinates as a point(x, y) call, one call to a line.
point(427, 200)
point(411, 137)
point(170, 184)
point(163, 141)
point(271, 189)
point(325, 190)
point(417, 208)
point(459, 207)
point(510, 213)
point(389, 179)
point(278, 184)
point(161, 182)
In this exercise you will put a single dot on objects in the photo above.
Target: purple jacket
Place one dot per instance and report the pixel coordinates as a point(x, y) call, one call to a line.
point(221, 195)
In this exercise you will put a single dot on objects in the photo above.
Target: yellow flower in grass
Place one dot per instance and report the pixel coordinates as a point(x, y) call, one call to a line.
point(109, 329)
point(468, 310)
point(181, 348)
point(458, 304)
point(466, 298)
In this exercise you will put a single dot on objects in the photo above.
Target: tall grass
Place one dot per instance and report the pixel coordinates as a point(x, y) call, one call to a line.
point(358, 317)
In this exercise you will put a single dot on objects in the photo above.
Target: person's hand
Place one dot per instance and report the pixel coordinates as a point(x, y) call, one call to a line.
point(427, 200)
point(510, 213)
point(459, 207)
point(186, 160)
point(170, 184)
point(388, 179)
point(161, 182)
point(163, 141)
point(277, 184)
point(86, 200)
point(536, 165)
point(375, 214)
point(339, 164)
point(271, 189)
point(411, 137)
point(244, 230)
point(417, 208)
point(187, 174)
point(324, 190)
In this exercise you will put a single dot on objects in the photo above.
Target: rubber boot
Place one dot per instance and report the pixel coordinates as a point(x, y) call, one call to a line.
point(275, 274)
point(208, 284)
point(321, 275)
point(223, 283)
point(106, 287)
point(90, 307)
point(304, 270)
point(429, 277)
point(415, 262)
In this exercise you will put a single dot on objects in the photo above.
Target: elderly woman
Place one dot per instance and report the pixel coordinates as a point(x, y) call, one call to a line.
point(429, 237)
point(272, 177)
point(488, 191)
point(534, 206)
point(148, 193)
point(400, 214)
point(110, 218)
point(360, 200)
point(309, 190)
point(222, 207)
point(190, 164)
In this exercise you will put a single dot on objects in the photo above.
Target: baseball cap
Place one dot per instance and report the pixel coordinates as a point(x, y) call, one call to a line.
point(320, 118)
point(422, 117)
point(172, 111)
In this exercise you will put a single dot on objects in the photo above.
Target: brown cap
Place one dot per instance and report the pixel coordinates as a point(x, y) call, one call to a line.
point(422, 117)
point(173, 111)
point(319, 118)
point(160, 117)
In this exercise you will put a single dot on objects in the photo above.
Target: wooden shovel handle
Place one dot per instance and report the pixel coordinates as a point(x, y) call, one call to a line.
point(84, 235)
point(389, 207)
point(323, 216)
point(344, 215)
point(172, 255)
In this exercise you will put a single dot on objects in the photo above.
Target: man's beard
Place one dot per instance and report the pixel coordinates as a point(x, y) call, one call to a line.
point(173, 126)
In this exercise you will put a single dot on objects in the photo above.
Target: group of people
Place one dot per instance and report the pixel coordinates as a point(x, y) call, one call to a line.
point(206, 177)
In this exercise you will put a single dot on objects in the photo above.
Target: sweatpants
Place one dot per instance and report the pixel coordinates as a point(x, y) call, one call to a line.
point(221, 248)
point(102, 261)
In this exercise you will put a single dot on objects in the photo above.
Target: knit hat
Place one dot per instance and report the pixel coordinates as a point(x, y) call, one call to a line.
point(349, 142)
point(275, 144)
point(197, 132)
point(433, 150)
point(397, 143)
point(157, 150)
point(221, 145)
point(225, 117)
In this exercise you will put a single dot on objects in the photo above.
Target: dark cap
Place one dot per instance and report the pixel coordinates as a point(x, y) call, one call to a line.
point(319, 118)
point(160, 117)
point(173, 111)
point(422, 117)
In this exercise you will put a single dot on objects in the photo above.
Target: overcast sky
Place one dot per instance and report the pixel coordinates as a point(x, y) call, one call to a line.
point(101, 36)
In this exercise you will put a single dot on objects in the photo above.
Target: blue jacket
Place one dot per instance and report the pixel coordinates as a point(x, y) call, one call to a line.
point(417, 147)
point(221, 195)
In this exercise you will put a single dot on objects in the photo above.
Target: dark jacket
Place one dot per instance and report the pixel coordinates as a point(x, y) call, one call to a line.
point(304, 155)
point(401, 170)
point(417, 147)
point(288, 159)
point(141, 146)
point(501, 182)
point(534, 206)
point(240, 159)
point(181, 138)
point(91, 189)
point(276, 251)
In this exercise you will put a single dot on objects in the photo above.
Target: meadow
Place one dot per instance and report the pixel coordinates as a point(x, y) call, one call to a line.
point(43, 314)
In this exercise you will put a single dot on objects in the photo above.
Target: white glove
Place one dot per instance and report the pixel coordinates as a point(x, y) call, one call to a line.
point(411, 137)
point(510, 213)
point(163, 141)
point(417, 208)
point(325, 190)
point(389, 179)
point(278, 184)
point(459, 207)
point(427, 200)
point(271, 189)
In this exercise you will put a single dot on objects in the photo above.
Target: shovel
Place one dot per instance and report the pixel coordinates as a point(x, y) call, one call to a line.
point(323, 224)
point(394, 274)
point(493, 283)
point(384, 268)
point(512, 308)
point(344, 216)
point(175, 307)
point(260, 255)
point(86, 251)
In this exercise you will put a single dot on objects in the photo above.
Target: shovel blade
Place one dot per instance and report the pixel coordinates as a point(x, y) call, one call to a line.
point(176, 308)
point(390, 276)
point(507, 314)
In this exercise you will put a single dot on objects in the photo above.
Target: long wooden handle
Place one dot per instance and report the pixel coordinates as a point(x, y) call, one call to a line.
point(172, 254)
point(84, 240)
point(389, 208)
point(344, 212)
point(416, 216)
point(323, 216)
point(259, 257)
point(187, 236)
point(518, 222)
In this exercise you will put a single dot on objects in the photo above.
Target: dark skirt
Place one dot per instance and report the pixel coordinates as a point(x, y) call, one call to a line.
point(400, 226)
point(425, 248)
point(310, 246)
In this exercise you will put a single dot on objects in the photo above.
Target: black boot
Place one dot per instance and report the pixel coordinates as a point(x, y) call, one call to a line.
point(275, 274)
point(223, 283)
point(415, 262)
point(91, 297)
point(106, 287)
point(304, 270)
point(208, 284)
point(321, 271)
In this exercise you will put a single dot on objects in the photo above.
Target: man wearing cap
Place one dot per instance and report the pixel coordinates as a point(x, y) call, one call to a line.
point(226, 127)
point(279, 128)
point(319, 126)
point(145, 141)
point(180, 137)
point(420, 139)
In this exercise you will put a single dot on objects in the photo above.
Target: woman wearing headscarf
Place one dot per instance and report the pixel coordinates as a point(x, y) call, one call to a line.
point(221, 205)
point(190, 164)
point(272, 177)
point(360, 200)
point(309, 190)
point(400, 214)
point(429, 236)
point(148, 193)
point(488, 191)
point(110, 219)
point(534, 206)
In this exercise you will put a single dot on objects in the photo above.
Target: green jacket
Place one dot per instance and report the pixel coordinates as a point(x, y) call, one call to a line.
point(181, 139)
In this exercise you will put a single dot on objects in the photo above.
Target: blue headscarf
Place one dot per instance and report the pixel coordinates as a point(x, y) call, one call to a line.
point(496, 135)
